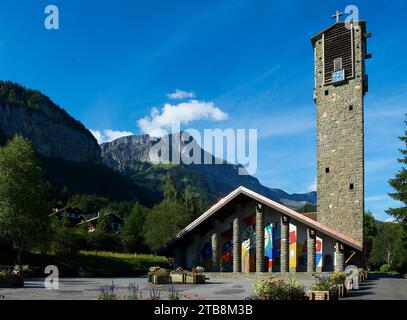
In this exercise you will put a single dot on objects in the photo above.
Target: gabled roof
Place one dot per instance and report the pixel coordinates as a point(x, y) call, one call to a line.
point(272, 204)
point(98, 216)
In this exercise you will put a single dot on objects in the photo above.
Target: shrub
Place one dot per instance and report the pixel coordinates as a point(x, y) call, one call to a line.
point(272, 289)
point(385, 268)
point(338, 277)
point(109, 292)
point(324, 284)
point(173, 294)
point(67, 242)
point(134, 292)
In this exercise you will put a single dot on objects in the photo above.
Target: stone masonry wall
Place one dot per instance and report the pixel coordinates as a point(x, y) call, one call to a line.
point(340, 145)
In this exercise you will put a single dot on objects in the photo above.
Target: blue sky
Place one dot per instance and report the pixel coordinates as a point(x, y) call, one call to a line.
point(111, 62)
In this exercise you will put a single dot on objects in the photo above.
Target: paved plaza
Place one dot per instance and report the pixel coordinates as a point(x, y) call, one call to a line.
point(218, 287)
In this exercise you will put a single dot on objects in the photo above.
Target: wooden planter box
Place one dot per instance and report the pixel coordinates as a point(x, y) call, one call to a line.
point(160, 279)
point(323, 295)
point(178, 277)
point(12, 281)
point(341, 290)
point(195, 278)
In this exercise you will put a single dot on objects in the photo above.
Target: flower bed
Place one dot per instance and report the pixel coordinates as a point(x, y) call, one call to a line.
point(272, 289)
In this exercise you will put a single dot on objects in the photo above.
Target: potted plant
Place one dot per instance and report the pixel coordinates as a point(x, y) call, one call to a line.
point(196, 276)
point(24, 270)
point(151, 271)
point(11, 279)
point(362, 275)
point(178, 275)
point(324, 289)
point(273, 289)
point(338, 279)
point(160, 276)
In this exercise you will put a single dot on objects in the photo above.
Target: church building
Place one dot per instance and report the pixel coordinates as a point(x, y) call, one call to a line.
point(247, 232)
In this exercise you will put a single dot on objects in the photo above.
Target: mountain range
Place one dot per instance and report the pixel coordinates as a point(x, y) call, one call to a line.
point(123, 168)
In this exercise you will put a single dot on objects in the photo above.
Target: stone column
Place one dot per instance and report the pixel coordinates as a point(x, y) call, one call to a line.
point(260, 260)
point(196, 260)
point(311, 249)
point(237, 245)
point(339, 257)
point(216, 248)
point(179, 259)
point(284, 251)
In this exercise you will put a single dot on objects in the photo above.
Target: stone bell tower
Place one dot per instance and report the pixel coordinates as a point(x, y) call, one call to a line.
point(339, 89)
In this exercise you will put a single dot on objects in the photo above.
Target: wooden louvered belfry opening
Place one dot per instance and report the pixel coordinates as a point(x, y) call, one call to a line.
point(338, 44)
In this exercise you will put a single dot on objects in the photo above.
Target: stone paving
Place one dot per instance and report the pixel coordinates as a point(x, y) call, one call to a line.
point(218, 287)
point(381, 287)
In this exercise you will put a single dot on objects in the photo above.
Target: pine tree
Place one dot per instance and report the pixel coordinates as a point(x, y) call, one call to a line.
point(170, 189)
point(399, 183)
point(131, 235)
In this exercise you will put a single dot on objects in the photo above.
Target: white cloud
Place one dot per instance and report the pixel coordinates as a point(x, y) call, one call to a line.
point(183, 113)
point(312, 186)
point(180, 95)
point(108, 135)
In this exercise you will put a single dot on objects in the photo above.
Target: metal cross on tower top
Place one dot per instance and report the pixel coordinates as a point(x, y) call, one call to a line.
point(337, 15)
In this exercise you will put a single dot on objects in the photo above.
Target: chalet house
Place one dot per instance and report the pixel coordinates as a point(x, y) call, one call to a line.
point(115, 222)
point(73, 215)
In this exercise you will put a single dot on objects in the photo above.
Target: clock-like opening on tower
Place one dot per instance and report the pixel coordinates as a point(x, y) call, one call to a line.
point(351, 186)
point(327, 170)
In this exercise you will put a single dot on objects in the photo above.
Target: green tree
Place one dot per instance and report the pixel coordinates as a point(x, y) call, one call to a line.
point(103, 238)
point(164, 221)
point(308, 207)
point(192, 203)
point(399, 183)
point(24, 207)
point(369, 232)
point(170, 216)
point(132, 232)
point(88, 203)
point(67, 240)
point(387, 245)
point(170, 190)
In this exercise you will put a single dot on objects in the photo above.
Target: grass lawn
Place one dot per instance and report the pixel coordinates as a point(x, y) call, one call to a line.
point(101, 263)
